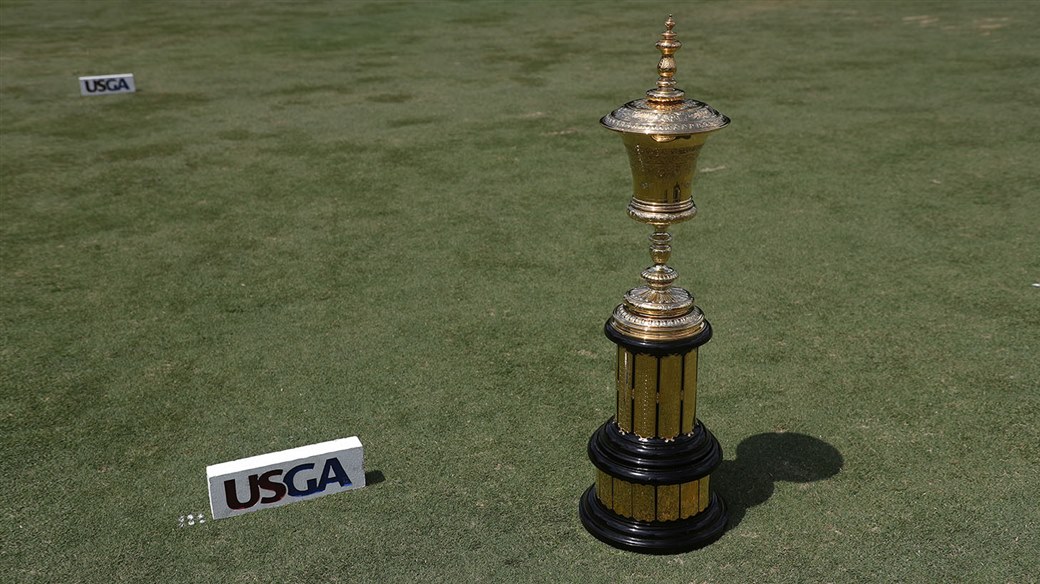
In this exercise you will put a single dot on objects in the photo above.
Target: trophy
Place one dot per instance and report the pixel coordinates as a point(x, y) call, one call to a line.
point(654, 457)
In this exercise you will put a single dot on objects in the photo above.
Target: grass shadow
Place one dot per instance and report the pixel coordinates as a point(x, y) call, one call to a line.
point(764, 459)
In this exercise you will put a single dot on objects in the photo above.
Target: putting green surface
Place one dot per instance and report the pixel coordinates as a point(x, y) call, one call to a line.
point(403, 222)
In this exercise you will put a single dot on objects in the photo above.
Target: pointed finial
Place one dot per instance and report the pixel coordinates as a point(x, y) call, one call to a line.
point(666, 92)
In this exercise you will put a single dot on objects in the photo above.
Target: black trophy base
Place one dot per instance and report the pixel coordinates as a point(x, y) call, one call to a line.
point(653, 537)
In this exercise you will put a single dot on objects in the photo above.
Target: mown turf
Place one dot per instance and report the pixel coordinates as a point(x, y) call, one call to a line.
point(402, 221)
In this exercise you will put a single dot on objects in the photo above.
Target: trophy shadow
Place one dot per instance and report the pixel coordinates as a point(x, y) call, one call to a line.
point(763, 460)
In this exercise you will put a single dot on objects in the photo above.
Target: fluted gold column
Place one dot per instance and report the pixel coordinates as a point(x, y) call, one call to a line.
point(656, 396)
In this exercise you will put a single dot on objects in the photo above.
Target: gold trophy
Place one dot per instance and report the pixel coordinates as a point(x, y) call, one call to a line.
point(654, 456)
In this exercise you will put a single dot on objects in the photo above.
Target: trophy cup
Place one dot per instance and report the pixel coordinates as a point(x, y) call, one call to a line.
point(654, 456)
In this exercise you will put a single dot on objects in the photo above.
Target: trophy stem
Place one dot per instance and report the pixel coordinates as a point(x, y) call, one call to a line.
point(660, 245)
point(660, 276)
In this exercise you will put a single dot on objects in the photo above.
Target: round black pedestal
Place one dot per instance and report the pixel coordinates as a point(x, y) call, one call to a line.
point(654, 461)
point(653, 537)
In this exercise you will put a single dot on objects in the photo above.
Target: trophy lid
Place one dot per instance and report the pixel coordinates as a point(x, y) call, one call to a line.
point(665, 111)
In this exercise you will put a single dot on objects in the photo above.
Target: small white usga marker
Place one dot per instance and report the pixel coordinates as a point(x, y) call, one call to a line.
point(107, 84)
point(279, 478)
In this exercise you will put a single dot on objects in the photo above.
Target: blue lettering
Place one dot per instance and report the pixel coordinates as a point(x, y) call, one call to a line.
point(104, 85)
point(312, 485)
point(333, 472)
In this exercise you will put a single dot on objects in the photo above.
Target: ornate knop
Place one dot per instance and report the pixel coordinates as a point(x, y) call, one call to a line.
point(666, 93)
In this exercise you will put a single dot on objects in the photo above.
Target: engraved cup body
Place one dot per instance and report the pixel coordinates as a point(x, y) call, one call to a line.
point(662, 176)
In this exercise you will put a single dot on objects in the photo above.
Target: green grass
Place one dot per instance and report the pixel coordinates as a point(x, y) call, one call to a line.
point(402, 221)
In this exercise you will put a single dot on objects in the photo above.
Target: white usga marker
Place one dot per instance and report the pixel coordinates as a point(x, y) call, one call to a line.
point(107, 84)
point(278, 478)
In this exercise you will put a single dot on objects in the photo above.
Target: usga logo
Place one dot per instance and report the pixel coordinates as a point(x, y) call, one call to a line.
point(274, 489)
point(279, 478)
point(106, 84)
point(103, 85)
